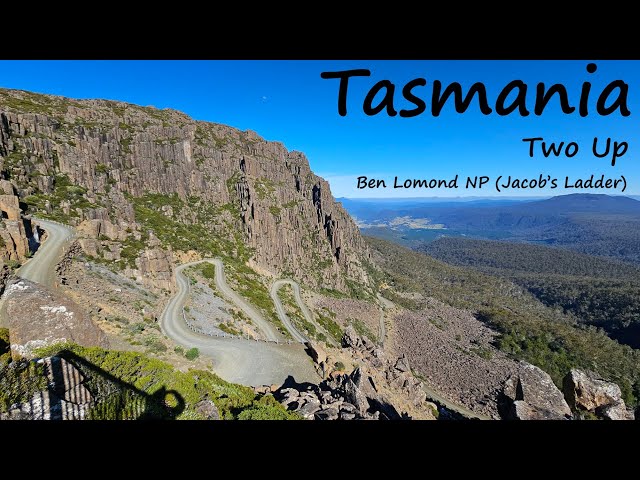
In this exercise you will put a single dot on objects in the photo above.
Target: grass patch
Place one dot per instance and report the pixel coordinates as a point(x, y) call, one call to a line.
point(326, 319)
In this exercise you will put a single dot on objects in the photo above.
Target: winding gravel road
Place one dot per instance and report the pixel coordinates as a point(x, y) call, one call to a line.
point(268, 329)
point(297, 336)
point(40, 268)
point(295, 333)
point(236, 360)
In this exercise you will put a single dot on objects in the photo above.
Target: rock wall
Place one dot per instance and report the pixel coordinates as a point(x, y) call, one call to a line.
point(16, 233)
point(88, 158)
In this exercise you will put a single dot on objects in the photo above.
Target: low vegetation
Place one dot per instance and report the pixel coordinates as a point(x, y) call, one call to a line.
point(326, 319)
point(120, 380)
point(192, 353)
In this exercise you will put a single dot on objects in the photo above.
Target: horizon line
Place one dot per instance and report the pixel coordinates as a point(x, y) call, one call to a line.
point(488, 197)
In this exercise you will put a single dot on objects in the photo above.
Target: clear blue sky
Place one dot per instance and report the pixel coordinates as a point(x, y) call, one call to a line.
point(289, 102)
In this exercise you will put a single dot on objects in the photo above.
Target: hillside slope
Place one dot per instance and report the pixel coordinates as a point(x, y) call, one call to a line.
point(598, 291)
point(528, 330)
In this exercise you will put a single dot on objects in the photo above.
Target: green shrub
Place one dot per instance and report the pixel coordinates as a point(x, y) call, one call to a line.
point(192, 353)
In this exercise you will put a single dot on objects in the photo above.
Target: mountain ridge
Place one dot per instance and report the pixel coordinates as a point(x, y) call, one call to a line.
point(115, 170)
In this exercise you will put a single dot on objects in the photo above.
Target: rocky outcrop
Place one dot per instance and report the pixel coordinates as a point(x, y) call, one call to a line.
point(154, 268)
point(86, 161)
point(532, 395)
point(18, 236)
point(318, 354)
point(207, 409)
point(391, 374)
point(342, 397)
point(378, 388)
point(351, 339)
point(587, 392)
point(38, 317)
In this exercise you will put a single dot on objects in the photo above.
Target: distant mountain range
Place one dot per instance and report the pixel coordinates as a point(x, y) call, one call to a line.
point(594, 224)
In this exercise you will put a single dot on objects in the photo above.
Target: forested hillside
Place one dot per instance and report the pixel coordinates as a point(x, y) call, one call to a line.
point(598, 291)
point(528, 329)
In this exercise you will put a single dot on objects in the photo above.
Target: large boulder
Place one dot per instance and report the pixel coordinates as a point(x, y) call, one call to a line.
point(530, 394)
point(318, 354)
point(38, 317)
point(403, 364)
point(616, 411)
point(587, 391)
point(351, 339)
point(355, 391)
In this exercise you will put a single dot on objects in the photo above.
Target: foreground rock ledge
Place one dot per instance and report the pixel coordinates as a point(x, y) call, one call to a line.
point(37, 317)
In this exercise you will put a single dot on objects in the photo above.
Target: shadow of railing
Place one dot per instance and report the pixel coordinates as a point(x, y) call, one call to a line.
point(114, 399)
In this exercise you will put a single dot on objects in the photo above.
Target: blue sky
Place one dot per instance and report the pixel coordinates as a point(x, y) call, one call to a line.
point(289, 102)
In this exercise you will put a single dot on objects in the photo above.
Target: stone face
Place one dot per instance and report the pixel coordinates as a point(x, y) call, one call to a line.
point(157, 263)
point(256, 191)
point(587, 391)
point(355, 391)
point(403, 364)
point(16, 233)
point(616, 411)
point(532, 395)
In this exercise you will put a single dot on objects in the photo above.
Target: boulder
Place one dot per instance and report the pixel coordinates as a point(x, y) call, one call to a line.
point(207, 409)
point(616, 411)
point(403, 364)
point(351, 339)
point(327, 413)
point(531, 395)
point(318, 354)
point(354, 389)
point(587, 391)
point(309, 409)
point(38, 317)
point(6, 187)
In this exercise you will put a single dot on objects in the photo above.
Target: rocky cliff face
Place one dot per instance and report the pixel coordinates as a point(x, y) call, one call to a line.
point(128, 174)
point(18, 236)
